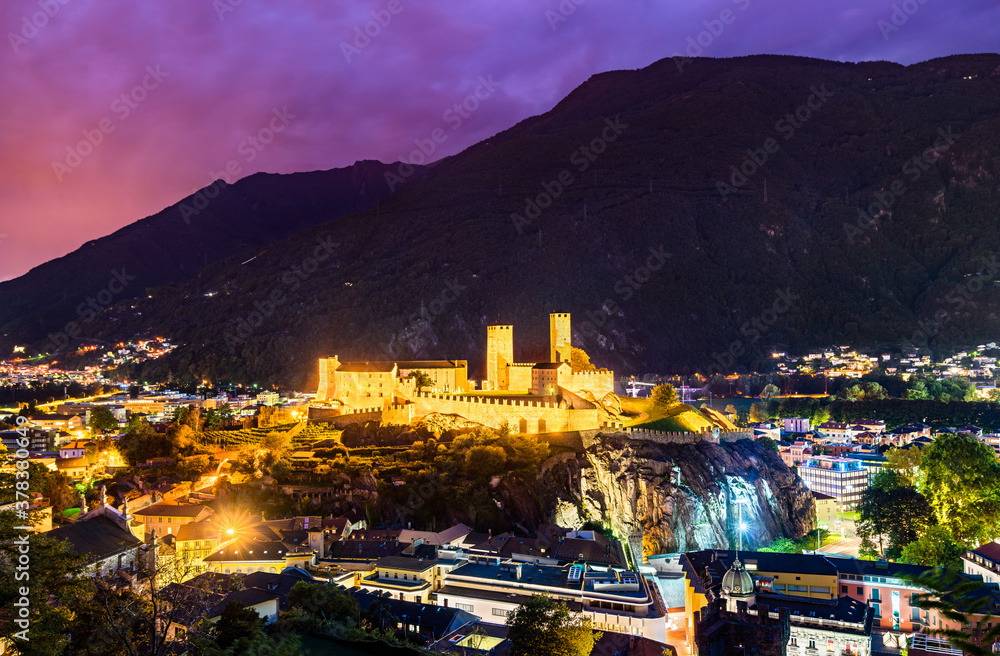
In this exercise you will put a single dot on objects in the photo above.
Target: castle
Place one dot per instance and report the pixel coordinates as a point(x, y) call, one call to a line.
point(534, 397)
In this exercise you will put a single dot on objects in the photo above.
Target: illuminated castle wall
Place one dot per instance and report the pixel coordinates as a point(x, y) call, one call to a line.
point(560, 337)
point(503, 374)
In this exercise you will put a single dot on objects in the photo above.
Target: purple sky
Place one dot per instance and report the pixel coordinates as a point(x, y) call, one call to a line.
point(223, 67)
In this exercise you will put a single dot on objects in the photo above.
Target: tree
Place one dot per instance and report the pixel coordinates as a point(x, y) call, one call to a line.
point(58, 492)
point(965, 608)
point(731, 410)
point(580, 361)
point(769, 392)
point(916, 393)
point(935, 548)
point(55, 587)
point(961, 479)
point(102, 420)
point(664, 396)
point(769, 444)
point(544, 627)
point(905, 463)
point(486, 461)
point(325, 601)
point(276, 442)
point(892, 509)
point(238, 624)
point(758, 413)
point(421, 379)
point(782, 545)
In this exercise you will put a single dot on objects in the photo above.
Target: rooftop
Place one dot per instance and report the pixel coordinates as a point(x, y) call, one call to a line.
point(173, 510)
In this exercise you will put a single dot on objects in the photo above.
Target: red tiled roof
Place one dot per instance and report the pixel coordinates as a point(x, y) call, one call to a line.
point(990, 550)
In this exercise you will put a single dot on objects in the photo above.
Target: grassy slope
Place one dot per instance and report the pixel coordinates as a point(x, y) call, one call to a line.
point(678, 417)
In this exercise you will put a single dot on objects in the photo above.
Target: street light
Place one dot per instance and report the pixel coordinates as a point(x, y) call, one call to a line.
point(818, 527)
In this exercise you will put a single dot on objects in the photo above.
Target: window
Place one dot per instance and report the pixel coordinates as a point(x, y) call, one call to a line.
point(843, 589)
point(500, 612)
point(878, 610)
point(793, 641)
point(812, 644)
point(814, 589)
point(466, 607)
point(915, 614)
point(875, 595)
point(797, 588)
point(861, 590)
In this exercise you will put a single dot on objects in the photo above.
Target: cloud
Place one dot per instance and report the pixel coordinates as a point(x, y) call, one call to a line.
point(226, 76)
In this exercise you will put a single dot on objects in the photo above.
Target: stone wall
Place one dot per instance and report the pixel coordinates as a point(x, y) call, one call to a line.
point(523, 415)
point(672, 437)
point(598, 383)
point(344, 416)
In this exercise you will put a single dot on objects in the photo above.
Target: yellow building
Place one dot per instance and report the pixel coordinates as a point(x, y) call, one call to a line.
point(195, 542)
point(374, 384)
point(826, 510)
point(167, 518)
point(800, 575)
point(405, 578)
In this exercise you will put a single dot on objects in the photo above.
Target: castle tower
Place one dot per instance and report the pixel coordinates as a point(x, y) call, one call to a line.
point(327, 382)
point(560, 339)
point(499, 354)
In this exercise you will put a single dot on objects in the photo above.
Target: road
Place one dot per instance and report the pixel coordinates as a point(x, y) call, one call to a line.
point(847, 546)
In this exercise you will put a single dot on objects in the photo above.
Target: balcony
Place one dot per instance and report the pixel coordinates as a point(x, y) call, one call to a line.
point(923, 643)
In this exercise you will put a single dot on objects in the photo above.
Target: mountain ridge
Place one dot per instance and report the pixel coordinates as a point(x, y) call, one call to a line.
point(773, 264)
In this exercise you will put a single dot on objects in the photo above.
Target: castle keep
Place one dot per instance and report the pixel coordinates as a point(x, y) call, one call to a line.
point(534, 397)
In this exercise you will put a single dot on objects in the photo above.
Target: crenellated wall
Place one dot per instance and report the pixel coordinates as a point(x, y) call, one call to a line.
point(523, 415)
point(671, 437)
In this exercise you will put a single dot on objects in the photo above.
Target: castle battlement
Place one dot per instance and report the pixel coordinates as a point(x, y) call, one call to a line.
point(487, 400)
point(678, 437)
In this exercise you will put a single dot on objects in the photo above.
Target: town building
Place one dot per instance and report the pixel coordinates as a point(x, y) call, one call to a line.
point(796, 425)
point(743, 590)
point(105, 537)
point(405, 578)
point(983, 561)
point(844, 479)
point(826, 510)
point(167, 518)
point(619, 601)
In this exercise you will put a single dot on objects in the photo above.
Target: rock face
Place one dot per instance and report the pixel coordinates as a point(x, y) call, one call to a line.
point(681, 497)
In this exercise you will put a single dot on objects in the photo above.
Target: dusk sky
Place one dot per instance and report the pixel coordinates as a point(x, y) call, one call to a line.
point(218, 72)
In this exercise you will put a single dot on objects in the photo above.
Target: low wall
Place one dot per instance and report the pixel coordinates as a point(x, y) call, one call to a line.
point(341, 417)
point(676, 437)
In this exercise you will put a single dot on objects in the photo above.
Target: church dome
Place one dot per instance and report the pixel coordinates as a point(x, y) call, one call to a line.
point(737, 582)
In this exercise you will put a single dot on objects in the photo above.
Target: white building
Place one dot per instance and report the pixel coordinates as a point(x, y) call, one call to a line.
point(618, 601)
point(796, 425)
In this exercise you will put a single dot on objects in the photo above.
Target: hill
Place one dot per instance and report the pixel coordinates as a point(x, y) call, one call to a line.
point(171, 246)
point(692, 218)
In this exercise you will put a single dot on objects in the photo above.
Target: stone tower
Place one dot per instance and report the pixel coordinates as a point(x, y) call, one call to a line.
point(560, 339)
point(499, 354)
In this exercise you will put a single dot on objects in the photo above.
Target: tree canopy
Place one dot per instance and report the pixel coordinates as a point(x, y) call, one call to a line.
point(545, 627)
point(102, 420)
point(664, 395)
point(960, 477)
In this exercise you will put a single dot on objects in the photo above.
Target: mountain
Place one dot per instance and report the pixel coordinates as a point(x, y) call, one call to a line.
point(689, 214)
point(171, 246)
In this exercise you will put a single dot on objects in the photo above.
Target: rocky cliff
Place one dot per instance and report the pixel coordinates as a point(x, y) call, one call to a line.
point(680, 496)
